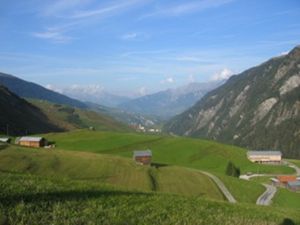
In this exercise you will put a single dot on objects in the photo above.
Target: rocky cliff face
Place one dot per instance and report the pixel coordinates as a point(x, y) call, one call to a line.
point(258, 109)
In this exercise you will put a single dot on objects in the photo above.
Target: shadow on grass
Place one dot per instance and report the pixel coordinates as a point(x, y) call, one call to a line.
point(3, 146)
point(158, 165)
point(287, 221)
point(64, 196)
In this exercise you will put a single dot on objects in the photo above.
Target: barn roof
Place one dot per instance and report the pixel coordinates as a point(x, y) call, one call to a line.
point(142, 153)
point(287, 178)
point(263, 153)
point(33, 139)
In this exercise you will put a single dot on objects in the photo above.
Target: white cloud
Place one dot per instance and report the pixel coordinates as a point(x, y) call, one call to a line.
point(189, 59)
point(53, 35)
point(284, 53)
point(61, 6)
point(191, 78)
point(77, 89)
point(142, 91)
point(54, 88)
point(107, 10)
point(187, 7)
point(129, 36)
point(222, 75)
point(77, 14)
point(85, 89)
point(168, 80)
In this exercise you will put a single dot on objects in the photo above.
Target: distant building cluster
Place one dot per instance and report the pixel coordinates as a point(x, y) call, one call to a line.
point(141, 128)
point(275, 157)
point(288, 181)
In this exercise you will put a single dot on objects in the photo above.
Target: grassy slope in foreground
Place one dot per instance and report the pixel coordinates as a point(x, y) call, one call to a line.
point(286, 198)
point(71, 118)
point(114, 170)
point(199, 154)
point(26, 199)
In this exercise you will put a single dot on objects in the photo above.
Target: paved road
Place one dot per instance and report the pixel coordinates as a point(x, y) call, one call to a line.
point(221, 186)
point(292, 165)
point(248, 177)
point(289, 164)
point(266, 197)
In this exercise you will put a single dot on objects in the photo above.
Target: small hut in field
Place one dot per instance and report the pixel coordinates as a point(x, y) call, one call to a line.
point(142, 157)
point(35, 142)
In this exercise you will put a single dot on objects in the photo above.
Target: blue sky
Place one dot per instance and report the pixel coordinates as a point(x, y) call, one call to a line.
point(141, 46)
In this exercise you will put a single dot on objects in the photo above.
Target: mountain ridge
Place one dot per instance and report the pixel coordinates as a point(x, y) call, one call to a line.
point(17, 116)
point(259, 108)
point(170, 102)
point(28, 89)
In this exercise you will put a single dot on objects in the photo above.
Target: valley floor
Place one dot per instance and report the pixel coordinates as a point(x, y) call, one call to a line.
point(90, 178)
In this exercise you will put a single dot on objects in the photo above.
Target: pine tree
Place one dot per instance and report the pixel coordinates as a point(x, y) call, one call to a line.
point(232, 170)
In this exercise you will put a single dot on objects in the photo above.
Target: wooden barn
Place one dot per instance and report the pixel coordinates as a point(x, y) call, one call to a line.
point(35, 142)
point(142, 157)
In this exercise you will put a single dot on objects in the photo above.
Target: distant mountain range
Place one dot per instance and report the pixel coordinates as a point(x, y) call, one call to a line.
point(27, 89)
point(166, 104)
point(91, 93)
point(17, 116)
point(258, 109)
point(47, 111)
point(31, 90)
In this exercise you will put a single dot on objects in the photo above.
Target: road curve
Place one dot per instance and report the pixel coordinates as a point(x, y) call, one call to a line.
point(221, 186)
point(266, 197)
point(292, 165)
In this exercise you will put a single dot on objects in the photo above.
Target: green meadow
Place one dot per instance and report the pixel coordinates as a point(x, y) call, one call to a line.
point(90, 178)
point(286, 198)
point(30, 199)
point(113, 170)
point(186, 152)
point(194, 153)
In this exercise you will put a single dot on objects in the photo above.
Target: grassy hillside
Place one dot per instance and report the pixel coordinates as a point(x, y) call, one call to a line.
point(287, 199)
point(194, 153)
point(242, 190)
point(27, 199)
point(114, 170)
point(19, 117)
point(70, 118)
point(296, 162)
